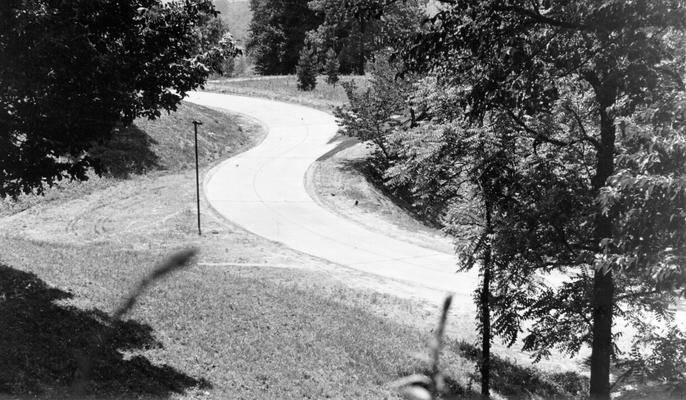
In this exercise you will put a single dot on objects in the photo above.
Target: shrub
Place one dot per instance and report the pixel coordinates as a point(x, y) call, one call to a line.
point(306, 69)
point(331, 67)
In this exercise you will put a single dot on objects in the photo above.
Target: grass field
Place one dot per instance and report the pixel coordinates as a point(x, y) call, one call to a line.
point(285, 88)
point(295, 327)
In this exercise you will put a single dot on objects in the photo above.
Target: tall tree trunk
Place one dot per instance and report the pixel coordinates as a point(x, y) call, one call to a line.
point(603, 286)
point(485, 367)
point(601, 353)
point(484, 300)
point(360, 67)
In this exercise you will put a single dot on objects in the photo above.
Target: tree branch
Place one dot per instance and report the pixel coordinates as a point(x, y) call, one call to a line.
point(536, 134)
point(541, 19)
point(584, 135)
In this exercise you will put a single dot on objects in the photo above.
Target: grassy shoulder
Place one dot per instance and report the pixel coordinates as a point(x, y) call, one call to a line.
point(338, 182)
point(285, 88)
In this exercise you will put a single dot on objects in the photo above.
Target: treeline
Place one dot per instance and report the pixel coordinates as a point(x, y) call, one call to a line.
point(549, 139)
point(327, 33)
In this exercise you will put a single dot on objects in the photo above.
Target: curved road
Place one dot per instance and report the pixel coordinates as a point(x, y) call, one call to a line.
point(263, 191)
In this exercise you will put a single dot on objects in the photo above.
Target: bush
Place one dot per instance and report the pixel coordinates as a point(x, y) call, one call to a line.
point(331, 67)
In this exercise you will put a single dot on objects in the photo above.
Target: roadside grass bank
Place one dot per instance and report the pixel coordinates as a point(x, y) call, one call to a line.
point(324, 97)
point(207, 332)
point(154, 148)
point(338, 182)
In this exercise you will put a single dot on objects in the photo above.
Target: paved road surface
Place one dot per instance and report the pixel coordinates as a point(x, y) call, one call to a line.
point(263, 191)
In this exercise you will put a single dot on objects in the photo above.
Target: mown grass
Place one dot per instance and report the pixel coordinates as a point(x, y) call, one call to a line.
point(285, 88)
point(230, 332)
point(209, 332)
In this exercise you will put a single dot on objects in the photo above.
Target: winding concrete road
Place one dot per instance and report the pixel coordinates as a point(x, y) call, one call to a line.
point(263, 191)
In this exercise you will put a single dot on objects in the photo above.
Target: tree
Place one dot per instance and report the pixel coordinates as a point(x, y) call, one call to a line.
point(369, 114)
point(567, 76)
point(277, 32)
point(71, 71)
point(466, 171)
point(331, 66)
point(213, 32)
point(307, 68)
point(356, 29)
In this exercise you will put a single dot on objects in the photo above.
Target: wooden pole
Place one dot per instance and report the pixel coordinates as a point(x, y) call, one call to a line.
point(197, 173)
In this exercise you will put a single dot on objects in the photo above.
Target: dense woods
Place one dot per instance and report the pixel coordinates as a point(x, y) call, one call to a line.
point(353, 30)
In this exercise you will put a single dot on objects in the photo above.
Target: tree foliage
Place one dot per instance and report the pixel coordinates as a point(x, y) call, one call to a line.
point(214, 33)
point(369, 116)
point(574, 115)
point(357, 29)
point(277, 33)
point(70, 71)
point(307, 67)
point(331, 67)
point(565, 77)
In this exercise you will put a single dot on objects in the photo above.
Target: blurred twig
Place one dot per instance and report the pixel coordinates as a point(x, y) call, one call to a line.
point(172, 263)
point(436, 376)
point(422, 387)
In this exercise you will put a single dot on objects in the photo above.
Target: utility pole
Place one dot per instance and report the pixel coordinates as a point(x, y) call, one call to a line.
point(197, 173)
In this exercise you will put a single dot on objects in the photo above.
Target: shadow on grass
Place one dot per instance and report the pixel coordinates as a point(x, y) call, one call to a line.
point(518, 382)
point(452, 389)
point(128, 151)
point(41, 344)
point(344, 142)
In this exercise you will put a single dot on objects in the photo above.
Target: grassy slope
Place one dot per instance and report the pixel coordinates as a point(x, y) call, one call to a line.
point(157, 147)
point(285, 88)
point(339, 184)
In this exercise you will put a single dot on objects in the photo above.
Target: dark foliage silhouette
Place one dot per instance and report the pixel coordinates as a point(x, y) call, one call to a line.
point(127, 152)
point(42, 343)
point(519, 382)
